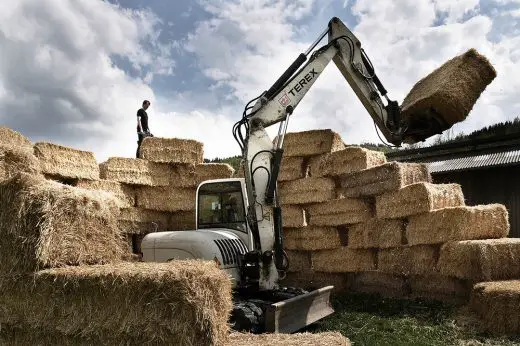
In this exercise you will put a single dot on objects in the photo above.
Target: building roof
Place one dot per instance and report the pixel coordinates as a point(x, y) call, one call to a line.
point(475, 161)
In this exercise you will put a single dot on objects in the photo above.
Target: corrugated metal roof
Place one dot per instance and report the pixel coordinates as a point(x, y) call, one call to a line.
point(478, 161)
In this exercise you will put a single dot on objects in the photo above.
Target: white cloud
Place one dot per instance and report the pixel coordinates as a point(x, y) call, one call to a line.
point(399, 37)
point(58, 78)
point(456, 9)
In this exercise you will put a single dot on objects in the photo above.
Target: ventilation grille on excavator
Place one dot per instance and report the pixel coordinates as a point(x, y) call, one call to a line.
point(230, 249)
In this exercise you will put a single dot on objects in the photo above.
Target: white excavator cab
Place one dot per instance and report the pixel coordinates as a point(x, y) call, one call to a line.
point(222, 235)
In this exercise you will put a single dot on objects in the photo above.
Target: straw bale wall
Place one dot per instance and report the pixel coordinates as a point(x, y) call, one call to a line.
point(363, 224)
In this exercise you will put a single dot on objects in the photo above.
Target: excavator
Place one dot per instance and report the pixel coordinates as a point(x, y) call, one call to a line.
point(239, 220)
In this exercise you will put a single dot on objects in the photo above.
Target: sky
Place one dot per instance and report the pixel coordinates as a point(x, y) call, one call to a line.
point(75, 72)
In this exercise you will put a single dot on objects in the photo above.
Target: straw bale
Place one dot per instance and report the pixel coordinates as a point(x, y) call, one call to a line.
point(142, 221)
point(64, 162)
point(124, 192)
point(481, 260)
point(387, 285)
point(439, 287)
point(47, 224)
point(311, 280)
point(377, 233)
point(15, 160)
point(293, 216)
point(184, 176)
point(296, 339)
point(344, 260)
point(14, 138)
point(172, 150)
point(496, 304)
point(388, 177)
point(135, 171)
point(314, 238)
point(291, 168)
point(339, 211)
point(458, 223)
point(182, 221)
point(312, 142)
point(299, 261)
point(307, 190)
point(418, 198)
point(406, 260)
point(166, 198)
point(186, 301)
point(348, 160)
point(452, 89)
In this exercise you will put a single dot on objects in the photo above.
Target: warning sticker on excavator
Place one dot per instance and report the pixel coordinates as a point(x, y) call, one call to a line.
point(284, 100)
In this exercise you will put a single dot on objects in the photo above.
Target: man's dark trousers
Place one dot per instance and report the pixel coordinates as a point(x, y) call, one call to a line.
point(139, 141)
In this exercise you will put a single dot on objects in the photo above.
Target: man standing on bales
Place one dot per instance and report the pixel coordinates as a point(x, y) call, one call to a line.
point(142, 125)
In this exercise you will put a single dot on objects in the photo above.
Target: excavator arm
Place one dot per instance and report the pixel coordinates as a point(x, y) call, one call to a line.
point(262, 157)
point(266, 262)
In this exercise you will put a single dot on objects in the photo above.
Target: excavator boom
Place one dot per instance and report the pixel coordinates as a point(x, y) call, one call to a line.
point(266, 261)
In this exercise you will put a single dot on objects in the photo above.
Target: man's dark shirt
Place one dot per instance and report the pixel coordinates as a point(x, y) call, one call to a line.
point(144, 120)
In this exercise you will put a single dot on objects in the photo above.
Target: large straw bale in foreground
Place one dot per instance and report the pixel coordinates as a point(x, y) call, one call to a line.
point(340, 211)
point(452, 89)
point(135, 171)
point(307, 190)
point(184, 176)
point(291, 168)
point(348, 160)
point(376, 233)
point(166, 198)
point(142, 221)
point(312, 280)
point(14, 138)
point(481, 260)
point(64, 162)
point(387, 285)
point(185, 301)
point(293, 216)
point(418, 198)
point(496, 303)
point(311, 143)
point(297, 339)
point(314, 238)
point(47, 224)
point(388, 177)
point(17, 159)
point(458, 223)
point(406, 260)
point(172, 150)
point(344, 260)
point(124, 192)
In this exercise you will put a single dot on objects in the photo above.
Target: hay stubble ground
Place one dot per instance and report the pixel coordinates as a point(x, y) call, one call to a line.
point(371, 320)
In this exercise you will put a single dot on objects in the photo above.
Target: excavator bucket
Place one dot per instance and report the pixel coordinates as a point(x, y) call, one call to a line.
point(293, 314)
point(447, 95)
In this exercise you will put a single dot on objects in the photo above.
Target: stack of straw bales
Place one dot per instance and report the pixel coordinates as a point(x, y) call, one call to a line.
point(356, 221)
point(160, 188)
point(65, 279)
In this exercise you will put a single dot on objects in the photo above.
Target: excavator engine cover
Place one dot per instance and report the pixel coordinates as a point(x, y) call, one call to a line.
point(447, 95)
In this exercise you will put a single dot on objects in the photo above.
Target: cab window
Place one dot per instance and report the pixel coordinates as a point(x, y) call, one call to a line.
point(221, 205)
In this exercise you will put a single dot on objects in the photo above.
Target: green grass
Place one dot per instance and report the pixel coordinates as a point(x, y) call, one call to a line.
point(370, 320)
